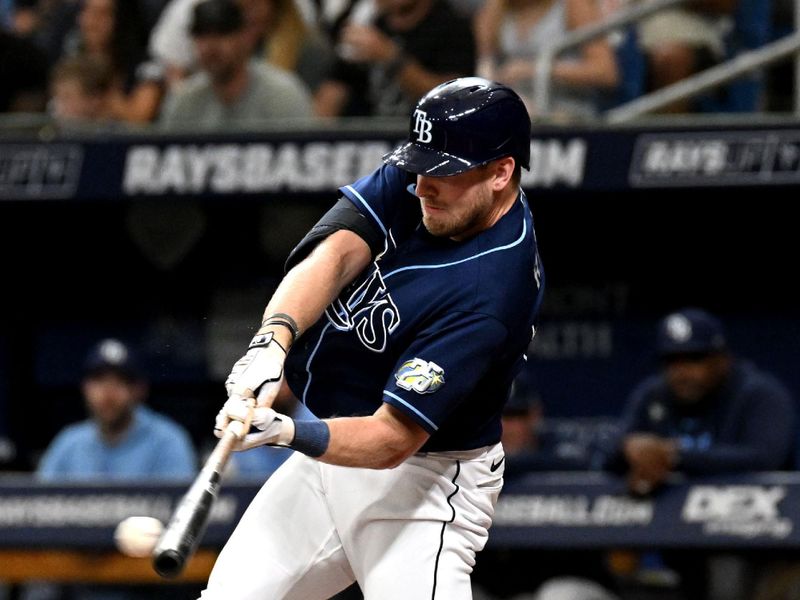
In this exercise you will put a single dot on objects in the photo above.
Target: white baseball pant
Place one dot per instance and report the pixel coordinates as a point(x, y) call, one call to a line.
point(408, 533)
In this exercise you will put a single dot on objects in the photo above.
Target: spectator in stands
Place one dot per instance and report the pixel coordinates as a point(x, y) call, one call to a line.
point(512, 35)
point(170, 42)
point(123, 438)
point(115, 31)
point(708, 412)
point(279, 35)
point(80, 92)
point(231, 89)
point(385, 65)
point(684, 40)
point(276, 30)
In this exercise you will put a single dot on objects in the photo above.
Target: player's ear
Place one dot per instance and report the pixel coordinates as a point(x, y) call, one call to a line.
point(503, 171)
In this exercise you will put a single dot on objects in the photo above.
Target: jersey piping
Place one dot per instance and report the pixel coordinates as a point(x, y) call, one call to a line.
point(467, 259)
point(311, 358)
point(411, 408)
point(368, 207)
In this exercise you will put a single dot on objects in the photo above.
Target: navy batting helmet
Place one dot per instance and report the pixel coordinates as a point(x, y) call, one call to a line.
point(464, 123)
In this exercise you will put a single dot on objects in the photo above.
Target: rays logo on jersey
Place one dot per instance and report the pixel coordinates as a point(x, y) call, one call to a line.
point(370, 310)
point(421, 376)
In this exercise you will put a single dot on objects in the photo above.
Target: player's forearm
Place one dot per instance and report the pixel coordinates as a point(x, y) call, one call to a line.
point(316, 281)
point(379, 441)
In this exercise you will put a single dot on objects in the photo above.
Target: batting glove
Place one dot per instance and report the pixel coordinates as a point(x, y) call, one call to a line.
point(267, 427)
point(258, 373)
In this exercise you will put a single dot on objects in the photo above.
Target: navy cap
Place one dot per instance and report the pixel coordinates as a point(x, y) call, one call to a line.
point(690, 331)
point(216, 17)
point(115, 356)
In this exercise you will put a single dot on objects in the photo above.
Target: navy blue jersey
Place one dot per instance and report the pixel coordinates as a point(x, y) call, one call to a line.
point(436, 328)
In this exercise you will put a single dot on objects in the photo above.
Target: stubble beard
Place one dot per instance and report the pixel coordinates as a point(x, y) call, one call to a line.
point(450, 225)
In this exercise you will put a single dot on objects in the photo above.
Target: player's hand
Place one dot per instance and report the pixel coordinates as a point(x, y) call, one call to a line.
point(267, 427)
point(258, 373)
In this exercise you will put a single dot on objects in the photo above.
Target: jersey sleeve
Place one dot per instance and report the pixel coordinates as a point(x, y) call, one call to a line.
point(380, 195)
point(367, 207)
point(443, 366)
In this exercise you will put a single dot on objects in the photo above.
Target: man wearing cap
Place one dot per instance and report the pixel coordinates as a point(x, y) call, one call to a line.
point(404, 315)
point(122, 438)
point(707, 412)
point(231, 89)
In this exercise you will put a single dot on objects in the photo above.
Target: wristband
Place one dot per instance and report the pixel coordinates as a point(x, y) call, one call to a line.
point(311, 437)
point(284, 320)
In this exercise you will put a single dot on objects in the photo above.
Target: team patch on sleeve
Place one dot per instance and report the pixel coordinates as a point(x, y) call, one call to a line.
point(421, 376)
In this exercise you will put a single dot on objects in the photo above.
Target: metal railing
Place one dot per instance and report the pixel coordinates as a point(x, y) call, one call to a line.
point(706, 80)
point(577, 37)
point(715, 76)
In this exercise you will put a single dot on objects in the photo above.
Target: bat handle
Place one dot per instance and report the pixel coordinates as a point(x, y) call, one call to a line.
point(182, 534)
point(236, 430)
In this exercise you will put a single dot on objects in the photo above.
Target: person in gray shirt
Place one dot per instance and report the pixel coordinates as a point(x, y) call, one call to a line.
point(230, 90)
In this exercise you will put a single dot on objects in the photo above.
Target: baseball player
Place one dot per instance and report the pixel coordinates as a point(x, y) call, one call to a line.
point(403, 318)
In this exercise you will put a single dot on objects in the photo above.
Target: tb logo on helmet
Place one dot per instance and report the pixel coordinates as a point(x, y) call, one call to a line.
point(422, 126)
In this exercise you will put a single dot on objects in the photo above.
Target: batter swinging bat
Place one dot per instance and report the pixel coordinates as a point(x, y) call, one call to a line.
point(188, 523)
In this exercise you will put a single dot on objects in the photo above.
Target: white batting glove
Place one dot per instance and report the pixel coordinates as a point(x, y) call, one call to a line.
point(258, 373)
point(273, 427)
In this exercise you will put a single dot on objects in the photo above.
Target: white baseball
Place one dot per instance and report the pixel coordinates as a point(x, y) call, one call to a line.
point(137, 536)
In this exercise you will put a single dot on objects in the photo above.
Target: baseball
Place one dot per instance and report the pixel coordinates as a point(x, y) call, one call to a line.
point(137, 536)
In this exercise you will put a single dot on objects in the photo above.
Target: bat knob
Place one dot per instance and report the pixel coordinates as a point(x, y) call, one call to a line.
point(168, 563)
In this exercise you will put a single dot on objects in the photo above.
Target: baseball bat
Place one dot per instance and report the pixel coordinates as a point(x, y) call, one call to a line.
point(182, 535)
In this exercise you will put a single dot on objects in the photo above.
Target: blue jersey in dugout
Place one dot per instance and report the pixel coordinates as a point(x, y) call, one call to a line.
point(434, 327)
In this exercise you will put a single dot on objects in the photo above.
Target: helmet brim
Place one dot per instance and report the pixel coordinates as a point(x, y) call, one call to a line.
point(422, 160)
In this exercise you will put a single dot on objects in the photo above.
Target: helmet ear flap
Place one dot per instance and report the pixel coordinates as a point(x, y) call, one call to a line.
point(461, 124)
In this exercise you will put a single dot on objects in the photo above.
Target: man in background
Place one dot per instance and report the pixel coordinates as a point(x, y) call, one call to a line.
point(231, 89)
point(122, 438)
point(384, 65)
point(706, 412)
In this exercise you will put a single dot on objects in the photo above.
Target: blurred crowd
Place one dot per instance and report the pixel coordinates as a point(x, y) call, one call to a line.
point(214, 64)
